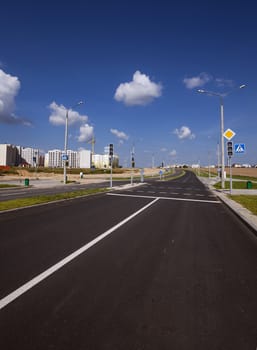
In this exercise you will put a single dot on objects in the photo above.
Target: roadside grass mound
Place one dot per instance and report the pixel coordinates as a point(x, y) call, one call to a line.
point(25, 202)
point(8, 186)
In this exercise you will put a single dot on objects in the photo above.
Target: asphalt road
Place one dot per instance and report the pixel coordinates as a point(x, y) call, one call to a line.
point(161, 266)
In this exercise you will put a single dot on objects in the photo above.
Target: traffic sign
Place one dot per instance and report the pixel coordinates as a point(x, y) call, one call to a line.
point(65, 157)
point(239, 148)
point(229, 134)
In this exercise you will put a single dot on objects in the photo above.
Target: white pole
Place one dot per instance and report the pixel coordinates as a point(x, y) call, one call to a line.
point(65, 148)
point(222, 142)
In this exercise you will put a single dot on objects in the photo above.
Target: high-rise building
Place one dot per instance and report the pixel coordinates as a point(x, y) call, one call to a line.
point(55, 158)
point(8, 155)
point(29, 156)
point(85, 159)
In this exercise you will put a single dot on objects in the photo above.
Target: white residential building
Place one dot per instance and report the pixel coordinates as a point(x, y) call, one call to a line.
point(101, 161)
point(8, 155)
point(29, 155)
point(73, 159)
point(55, 158)
point(85, 159)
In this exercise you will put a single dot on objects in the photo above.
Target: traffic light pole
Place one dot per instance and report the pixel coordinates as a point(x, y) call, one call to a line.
point(230, 174)
point(111, 161)
point(111, 172)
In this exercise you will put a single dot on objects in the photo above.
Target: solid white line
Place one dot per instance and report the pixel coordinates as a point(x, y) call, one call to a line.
point(168, 198)
point(27, 286)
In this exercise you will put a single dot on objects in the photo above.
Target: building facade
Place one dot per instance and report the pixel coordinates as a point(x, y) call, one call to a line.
point(29, 156)
point(8, 155)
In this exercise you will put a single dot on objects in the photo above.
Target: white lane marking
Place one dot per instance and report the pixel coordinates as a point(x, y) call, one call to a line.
point(36, 280)
point(167, 198)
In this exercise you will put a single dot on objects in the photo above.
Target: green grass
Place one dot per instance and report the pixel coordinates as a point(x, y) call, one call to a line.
point(237, 185)
point(8, 186)
point(24, 202)
point(249, 202)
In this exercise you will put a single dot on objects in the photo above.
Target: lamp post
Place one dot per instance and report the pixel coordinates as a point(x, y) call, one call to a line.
point(221, 98)
point(65, 158)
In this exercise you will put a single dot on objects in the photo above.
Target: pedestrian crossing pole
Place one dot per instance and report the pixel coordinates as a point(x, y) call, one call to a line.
point(230, 154)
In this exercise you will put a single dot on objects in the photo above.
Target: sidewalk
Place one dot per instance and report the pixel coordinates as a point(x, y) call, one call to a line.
point(239, 210)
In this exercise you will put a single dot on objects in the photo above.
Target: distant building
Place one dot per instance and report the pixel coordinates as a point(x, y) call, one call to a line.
point(85, 159)
point(29, 156)
point(8, 155)
point(102, 161)
point(73, 159)
point(54, 158)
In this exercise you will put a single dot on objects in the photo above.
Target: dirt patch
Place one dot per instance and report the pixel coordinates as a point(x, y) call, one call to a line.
point(251, 172)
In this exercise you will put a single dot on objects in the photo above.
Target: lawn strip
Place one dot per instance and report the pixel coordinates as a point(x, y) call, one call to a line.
point(248, 202)
point(24, 202)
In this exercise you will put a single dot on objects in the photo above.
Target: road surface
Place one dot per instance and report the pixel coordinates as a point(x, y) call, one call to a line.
point(162, 266)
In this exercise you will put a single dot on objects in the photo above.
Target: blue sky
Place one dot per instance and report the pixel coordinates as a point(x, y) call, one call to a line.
point(138, 66)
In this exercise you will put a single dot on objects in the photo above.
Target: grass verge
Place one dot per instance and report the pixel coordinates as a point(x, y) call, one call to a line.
point(249, 202)
point(237, 185)
point(8, 186)
point(25, 202)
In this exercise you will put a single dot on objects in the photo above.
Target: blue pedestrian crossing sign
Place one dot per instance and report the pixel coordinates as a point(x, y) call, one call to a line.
point(239, 148)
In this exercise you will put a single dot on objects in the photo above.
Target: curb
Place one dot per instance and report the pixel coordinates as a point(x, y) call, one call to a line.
point(242, 213)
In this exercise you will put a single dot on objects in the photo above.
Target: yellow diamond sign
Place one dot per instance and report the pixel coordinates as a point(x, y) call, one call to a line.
point(229, 134)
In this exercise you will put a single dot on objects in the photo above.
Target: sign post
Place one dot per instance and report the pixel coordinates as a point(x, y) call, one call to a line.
point(230, 154)
point(111, 161)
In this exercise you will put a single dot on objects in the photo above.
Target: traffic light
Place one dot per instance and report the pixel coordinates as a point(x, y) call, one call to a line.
point(133, 162)
point(111, 149)
point(230, 148)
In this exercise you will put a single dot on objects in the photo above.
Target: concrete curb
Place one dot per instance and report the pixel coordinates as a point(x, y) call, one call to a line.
point(243, 213)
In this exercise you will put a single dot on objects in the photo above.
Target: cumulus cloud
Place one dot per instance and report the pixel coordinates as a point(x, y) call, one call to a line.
point(173, 153)
point(86, 133)
point(58, 115)
point(140, 91)
point(164, 149)
point(184, 133)
point(9, 88)
point(198, 81)
point(120, 134)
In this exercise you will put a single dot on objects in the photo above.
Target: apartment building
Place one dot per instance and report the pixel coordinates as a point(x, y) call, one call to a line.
point(8, 155)
point(29, 156)
point(102, 161)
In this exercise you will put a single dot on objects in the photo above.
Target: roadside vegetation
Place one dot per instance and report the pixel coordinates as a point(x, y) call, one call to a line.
point(237, 185)
point(8, 186)
point(25, 202)
point(249, 202)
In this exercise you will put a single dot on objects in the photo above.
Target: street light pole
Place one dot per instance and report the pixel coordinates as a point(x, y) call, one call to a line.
point(66, 142)
point(65, 148)
point(221, 97)
point(222, 142)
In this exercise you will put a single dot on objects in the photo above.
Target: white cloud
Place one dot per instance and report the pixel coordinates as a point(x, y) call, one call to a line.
point(224, 82)
point(9, 88)
point(140, 91)
point(164, 149)
point(120, 134)
point(86, 133)
point(200, 80)
point(173, 153)
point(58, 115)
point(184, 133)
